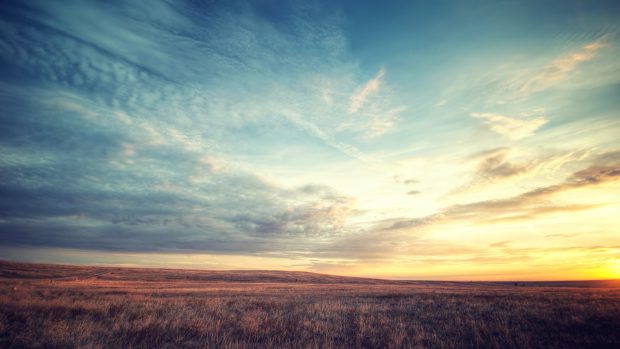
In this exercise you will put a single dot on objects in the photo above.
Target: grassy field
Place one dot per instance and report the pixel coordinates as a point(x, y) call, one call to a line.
point(53, 306)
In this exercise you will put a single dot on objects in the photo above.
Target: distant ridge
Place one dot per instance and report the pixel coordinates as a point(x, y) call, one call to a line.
point(42, 271)
point(20, 270)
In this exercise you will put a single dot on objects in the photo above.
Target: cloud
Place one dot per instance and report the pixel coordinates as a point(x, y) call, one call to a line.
point(383, 121)
point(117, 136)
point(524, 206)
point(511, 127)
point(363, 92)
point(236, 212)
point(417, 223)
point(317, 132)
point(533, 202)
point(411, 181)
point(310, 211)
point(372, 101)
point(128, 69)
point(500, 243)
point(559, 69)
point(594, 175)
point(318, 219)
point(520, 85)
point(494, 164)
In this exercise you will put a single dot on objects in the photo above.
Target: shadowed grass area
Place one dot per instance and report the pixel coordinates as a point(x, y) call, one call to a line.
point(47, 306)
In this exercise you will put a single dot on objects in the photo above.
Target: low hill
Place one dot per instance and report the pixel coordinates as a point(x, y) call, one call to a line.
point(32, 271)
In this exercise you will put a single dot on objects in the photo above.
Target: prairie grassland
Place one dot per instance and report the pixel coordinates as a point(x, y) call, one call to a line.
point(48, 306)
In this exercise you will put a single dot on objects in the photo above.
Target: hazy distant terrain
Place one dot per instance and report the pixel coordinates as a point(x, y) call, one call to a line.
point(56, 306)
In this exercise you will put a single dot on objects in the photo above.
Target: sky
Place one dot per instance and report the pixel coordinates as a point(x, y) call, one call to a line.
point(451, 140)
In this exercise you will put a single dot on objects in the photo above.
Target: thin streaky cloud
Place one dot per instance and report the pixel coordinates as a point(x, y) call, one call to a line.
point(315, 131)
point(524, 83)
point(365, 91)
point(559, 69)
point(524, 206)
point(511, 127)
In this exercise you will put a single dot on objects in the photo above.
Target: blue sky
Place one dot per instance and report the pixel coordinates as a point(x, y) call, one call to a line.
point(398, 139)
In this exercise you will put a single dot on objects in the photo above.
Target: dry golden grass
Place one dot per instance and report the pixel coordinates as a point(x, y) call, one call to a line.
point(47, 306)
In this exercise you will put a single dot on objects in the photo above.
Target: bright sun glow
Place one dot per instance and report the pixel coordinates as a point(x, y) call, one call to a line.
point(615, 269)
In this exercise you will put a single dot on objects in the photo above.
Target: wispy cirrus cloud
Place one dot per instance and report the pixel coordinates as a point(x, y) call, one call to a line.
point(365, 91)
point(493, 164)
point(503, 165)
point(330, 140)
point(559, 69)
point(523, 83)
point(372, 102)
point(533, 203)
point(509, 127)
